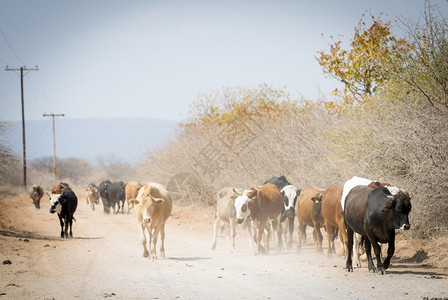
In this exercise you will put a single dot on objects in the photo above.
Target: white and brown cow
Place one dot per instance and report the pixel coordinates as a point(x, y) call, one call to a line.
point(225, 214)
point(152, 208)
point(264, 204)
point(242, 215)
point(93, 196)
point(131, 191)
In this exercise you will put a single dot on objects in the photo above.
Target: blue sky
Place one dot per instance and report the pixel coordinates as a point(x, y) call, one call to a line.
point(153, 58)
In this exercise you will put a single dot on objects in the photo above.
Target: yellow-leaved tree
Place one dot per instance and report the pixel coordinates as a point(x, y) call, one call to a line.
point(360, 67)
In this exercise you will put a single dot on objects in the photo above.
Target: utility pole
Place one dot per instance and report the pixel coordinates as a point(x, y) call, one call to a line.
point(54, 141)
point(23, 115)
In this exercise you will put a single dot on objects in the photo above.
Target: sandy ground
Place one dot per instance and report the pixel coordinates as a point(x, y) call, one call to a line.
point(104, 260)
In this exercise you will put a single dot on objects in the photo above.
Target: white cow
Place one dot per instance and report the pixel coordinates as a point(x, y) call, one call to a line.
point(225, 214)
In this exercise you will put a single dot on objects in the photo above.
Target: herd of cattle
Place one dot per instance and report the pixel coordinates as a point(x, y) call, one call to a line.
point(362, 210)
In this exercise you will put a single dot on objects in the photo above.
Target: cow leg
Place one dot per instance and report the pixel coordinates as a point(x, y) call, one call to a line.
point(279, 237)
point(368, 246)
point(162, 241)
point(143, 240)
point(71, 223)
point(154, 237)
point(66, 221)
point(343, 236)
point(301, 232)
point(291, 232)
point(61, 222)
point(259, 234)
point(249, 232)
point(356, 250)
point(267, 231)
point(215, 232)
point(390, 251)
point(379, 263)
point(330, 240)
point(232, 232)
point(348, 263)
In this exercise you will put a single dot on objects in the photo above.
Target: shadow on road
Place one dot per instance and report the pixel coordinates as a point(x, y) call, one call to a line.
point(35, 236)
point(188, 258)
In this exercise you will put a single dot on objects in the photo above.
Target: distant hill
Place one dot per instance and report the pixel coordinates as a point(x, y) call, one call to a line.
point(126, 139)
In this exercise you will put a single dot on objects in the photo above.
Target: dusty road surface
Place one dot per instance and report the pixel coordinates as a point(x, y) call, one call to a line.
point(104, 260)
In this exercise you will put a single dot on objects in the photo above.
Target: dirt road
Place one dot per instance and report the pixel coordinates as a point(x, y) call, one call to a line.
point(104, 260)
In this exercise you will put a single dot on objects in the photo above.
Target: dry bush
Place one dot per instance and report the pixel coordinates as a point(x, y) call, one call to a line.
point(405, 144)
point(390, 141)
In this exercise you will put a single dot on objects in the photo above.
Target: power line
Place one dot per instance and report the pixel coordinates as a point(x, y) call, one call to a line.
point(23, 116)
point(54, 141)
point(10, 46)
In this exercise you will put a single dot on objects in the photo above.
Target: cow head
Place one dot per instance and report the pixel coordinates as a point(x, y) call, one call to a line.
point(242, 207)
point(400, 206)
point(56, 203)
point(289, 197)
point(147, 205)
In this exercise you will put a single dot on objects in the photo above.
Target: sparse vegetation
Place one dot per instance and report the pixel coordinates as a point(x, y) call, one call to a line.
point(390, 124)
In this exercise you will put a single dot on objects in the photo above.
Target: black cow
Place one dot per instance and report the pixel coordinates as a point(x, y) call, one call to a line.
point(116, 193)
point(36, 193)
point(65, 205)
point(289, 197)
point(280, 182)
point(104, 195)
point(375, 214)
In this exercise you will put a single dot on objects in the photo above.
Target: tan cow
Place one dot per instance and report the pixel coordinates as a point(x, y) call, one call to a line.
point(93, 196)
point(225, 213)
point(152, 208)
point(131, 191)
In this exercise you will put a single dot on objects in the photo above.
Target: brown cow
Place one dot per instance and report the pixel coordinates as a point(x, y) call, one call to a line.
point(333, 217)
point(57, 188)
point(36, 193)
point(265, 203)
point(153, 209)
point(93, 196)
point(308, 214)
point(131, 191)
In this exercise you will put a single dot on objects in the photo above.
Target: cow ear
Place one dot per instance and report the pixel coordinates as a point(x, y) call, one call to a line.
point(298, 192)
point(317, 198)
point(134, 201)
point(62, 200)
point(250, 204)
point(158, 200)
point(387, 207)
